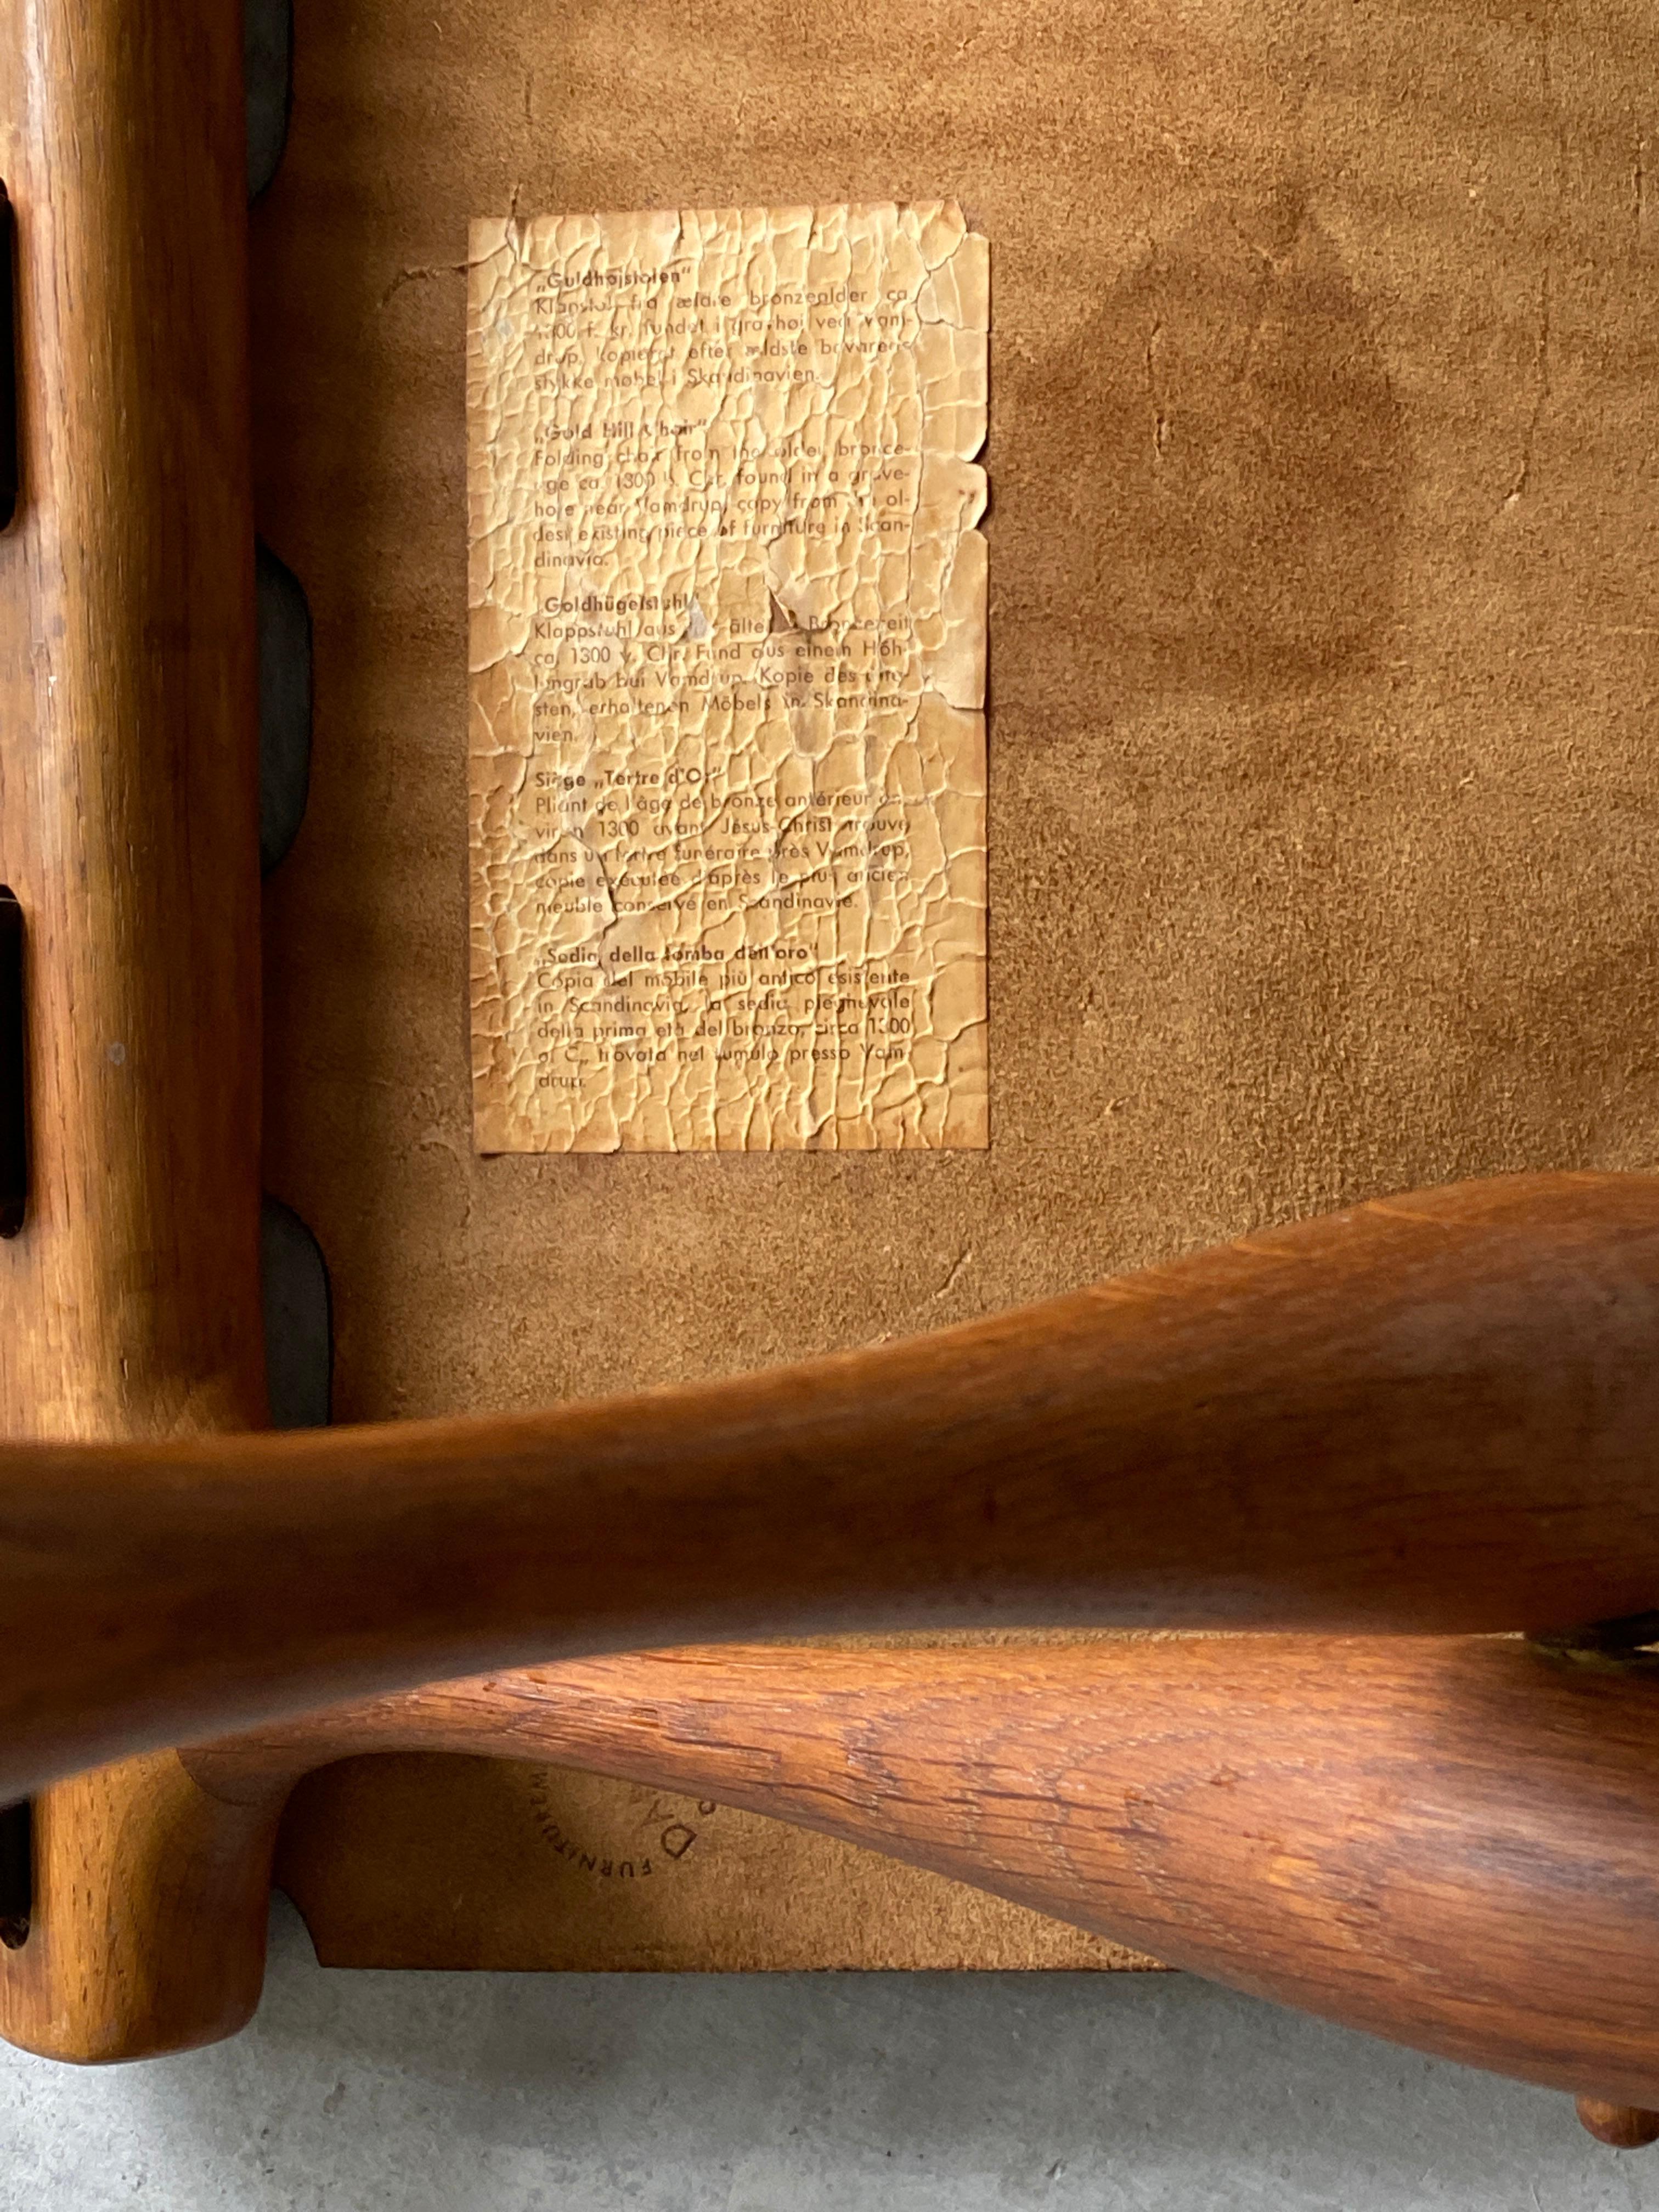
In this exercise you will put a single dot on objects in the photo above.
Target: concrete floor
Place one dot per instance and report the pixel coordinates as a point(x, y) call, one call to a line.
point(433, 2092)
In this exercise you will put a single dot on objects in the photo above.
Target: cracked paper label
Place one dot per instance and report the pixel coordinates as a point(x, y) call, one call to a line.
point(728, 743)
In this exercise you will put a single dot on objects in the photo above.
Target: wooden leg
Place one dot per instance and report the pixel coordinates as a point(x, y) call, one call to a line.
point(128, 832)
point(147, 1933)
point(1448, 1842)
point(1623, 2127)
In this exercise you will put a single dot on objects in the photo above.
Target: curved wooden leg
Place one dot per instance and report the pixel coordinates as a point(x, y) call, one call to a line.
point(1448, 1842)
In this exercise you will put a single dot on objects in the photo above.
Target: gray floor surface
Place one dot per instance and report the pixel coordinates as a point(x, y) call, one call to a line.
point(505, 2092)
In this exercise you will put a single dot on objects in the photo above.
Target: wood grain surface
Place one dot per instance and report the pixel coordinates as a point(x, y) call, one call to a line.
point(482, 1864)
point(128, 832)
point(128, 746)
point(1434, 1412)
point(1448, 1843)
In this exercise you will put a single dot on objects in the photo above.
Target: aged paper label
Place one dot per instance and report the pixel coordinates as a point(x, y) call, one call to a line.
point(728, 745)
